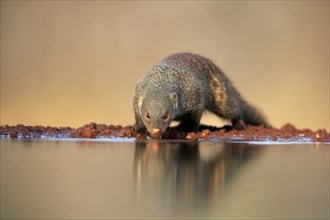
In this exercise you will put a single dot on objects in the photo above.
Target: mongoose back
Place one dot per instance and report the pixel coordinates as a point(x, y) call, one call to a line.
point(180, 88)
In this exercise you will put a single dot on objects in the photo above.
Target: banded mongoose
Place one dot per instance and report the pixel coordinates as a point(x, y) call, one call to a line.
point(180, 88)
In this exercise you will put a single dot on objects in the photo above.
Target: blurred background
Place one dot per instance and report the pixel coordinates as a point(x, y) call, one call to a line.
point(68, 63)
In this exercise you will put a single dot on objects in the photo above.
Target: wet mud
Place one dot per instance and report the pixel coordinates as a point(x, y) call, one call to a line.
point(93, 130)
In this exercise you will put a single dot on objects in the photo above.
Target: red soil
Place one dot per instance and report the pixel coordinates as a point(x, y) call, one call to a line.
point(286, 133)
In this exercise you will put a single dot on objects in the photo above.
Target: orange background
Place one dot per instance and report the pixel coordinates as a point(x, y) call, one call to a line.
point(68, 63)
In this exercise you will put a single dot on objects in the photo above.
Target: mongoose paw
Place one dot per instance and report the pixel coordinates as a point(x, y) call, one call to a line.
point(239, 125)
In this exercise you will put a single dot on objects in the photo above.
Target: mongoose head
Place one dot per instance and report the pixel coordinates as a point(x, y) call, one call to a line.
point(158, 111)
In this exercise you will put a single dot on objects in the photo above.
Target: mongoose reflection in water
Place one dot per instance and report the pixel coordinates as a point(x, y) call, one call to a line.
point(181, 87)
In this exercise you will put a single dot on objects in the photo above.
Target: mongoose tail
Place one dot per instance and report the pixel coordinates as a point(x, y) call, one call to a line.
point(252, 116)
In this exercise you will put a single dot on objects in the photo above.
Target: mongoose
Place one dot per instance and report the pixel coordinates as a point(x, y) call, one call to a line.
point(180, 88)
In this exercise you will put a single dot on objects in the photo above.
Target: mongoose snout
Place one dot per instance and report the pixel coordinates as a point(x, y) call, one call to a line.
point(155, 132)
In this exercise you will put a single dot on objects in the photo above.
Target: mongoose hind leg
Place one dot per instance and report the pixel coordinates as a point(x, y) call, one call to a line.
point(234, 117)
point(238, 124)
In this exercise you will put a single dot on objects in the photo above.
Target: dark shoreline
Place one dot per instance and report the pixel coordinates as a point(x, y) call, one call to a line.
point(92, 130)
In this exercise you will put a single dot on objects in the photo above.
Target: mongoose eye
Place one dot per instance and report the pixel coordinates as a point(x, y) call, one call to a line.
point(147, 115)
point(165, 117)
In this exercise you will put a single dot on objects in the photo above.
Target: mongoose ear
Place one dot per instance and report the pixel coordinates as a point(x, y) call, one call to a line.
point(175, 100)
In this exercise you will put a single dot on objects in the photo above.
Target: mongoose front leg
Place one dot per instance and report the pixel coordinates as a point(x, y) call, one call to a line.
point(190, 123)
point(140, 128)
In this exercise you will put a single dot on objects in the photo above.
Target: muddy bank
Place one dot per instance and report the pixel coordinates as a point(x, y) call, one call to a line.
point(286, 133)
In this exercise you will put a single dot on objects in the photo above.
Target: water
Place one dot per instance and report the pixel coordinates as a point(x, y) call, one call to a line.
point(163, 179)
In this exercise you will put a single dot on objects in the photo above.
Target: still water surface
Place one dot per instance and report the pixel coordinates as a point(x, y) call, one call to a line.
point(163, 179)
